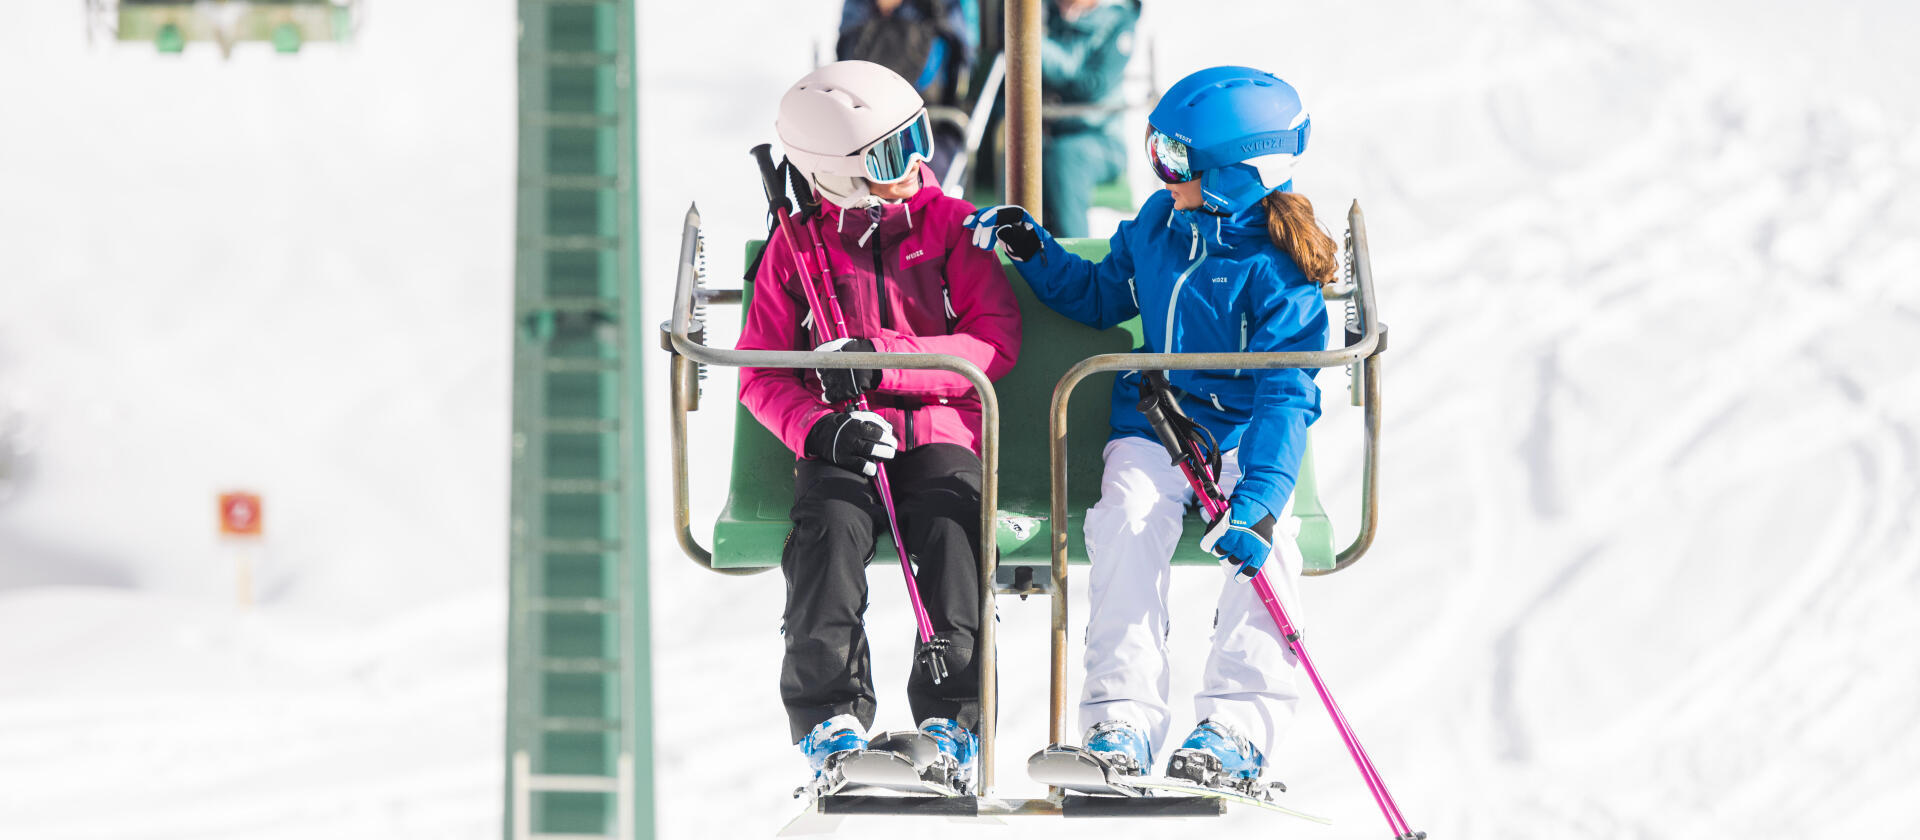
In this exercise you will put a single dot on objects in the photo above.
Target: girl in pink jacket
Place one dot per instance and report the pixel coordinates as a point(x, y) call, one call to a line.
point(909, 281)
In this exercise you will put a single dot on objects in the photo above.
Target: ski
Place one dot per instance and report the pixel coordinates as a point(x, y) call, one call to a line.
point(898, 773)
point(1263, 798)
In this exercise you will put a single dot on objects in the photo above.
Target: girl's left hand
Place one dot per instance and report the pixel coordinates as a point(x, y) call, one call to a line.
point(1004, 224)
point(1242, 539)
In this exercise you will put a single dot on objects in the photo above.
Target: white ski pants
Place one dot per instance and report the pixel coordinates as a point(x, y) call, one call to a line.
point(1251, 675)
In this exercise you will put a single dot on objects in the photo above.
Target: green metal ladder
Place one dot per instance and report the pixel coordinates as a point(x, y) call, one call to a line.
point(579, 752)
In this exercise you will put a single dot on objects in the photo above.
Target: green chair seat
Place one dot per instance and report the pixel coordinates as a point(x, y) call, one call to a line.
point(753, 526)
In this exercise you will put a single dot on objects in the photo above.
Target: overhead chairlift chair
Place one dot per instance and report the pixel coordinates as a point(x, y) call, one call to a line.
point(170, 25)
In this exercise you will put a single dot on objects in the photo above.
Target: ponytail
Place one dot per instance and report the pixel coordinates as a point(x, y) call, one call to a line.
point(1294, 230)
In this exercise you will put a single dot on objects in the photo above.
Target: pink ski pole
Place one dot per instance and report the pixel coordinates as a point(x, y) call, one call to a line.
point(929, 654)
point(1198, 469)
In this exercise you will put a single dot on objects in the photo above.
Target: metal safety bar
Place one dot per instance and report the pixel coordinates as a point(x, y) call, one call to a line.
point(1365, 350)
point(686, 338)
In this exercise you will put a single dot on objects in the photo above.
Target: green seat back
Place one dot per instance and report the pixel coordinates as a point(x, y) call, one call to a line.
point(1116, 194)
point(753, 526)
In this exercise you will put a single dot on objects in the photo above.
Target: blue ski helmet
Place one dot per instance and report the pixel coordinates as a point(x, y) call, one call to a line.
point(1237, 129)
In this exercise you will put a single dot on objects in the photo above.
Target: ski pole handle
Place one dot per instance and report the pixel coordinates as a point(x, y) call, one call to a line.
point(1152, 385)
point(770, 179)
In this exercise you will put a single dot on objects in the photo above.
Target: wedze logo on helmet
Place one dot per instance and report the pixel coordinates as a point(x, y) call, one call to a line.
point(1268, 144)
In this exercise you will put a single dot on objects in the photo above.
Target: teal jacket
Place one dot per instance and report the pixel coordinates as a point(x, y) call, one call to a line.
point(1082, 61)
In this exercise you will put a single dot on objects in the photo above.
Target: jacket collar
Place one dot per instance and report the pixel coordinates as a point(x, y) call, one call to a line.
point(857, 227)
point(1249, 226)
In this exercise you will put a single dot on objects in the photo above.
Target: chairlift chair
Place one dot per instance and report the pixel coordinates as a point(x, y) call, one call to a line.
point(1033, 479)
point(170, 25)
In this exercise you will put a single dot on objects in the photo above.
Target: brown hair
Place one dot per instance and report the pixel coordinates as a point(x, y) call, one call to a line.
point(1294, 230)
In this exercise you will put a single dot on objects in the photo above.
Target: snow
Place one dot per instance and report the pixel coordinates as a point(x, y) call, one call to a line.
point(1646, 565)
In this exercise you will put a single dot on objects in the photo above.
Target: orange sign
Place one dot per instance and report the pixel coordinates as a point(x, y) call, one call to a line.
point(240, 514)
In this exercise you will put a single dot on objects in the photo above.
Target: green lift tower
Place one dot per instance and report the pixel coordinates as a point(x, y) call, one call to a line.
point(579, 748)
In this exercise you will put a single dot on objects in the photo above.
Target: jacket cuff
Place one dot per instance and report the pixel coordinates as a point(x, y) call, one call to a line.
point(1261, 495)
point(889, 377)
point(806, 431)
point(1036, 271)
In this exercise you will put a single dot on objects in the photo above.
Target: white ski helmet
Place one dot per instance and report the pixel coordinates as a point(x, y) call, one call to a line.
point(854, 120)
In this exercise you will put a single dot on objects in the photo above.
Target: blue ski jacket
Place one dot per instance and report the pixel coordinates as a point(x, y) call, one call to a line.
point(1202, 283)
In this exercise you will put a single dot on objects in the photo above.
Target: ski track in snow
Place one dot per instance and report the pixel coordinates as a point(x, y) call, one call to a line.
point(1646, 566)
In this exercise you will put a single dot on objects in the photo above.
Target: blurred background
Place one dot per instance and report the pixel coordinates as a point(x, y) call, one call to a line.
point(1647, 559)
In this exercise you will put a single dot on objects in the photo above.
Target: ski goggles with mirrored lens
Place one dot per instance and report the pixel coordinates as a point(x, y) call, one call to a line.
point(1168, 157)
point(891, 158)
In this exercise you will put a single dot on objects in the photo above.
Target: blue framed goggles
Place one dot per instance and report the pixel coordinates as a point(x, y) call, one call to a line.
point(1177, 163)
point(891, 158)
point(1169, 158)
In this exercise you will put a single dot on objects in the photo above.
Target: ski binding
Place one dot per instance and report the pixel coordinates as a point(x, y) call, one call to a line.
point(907, 762)
point(1255, 794)
point(1082, 771)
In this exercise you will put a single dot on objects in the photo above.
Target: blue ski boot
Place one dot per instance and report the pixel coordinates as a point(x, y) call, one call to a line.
point(833, 738)
point(957, 746)
point(1121, 746)
point(1218, 757)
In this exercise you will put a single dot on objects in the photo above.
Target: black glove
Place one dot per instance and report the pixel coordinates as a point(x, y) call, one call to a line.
point(854, 440)
point(1006, 225)
point(842, 384)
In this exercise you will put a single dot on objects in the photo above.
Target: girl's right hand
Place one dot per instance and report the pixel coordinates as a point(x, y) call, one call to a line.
point(1008, 225)
point(853, 440)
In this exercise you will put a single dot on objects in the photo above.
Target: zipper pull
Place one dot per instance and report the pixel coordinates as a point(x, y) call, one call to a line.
point(946, 295)
point(1194, 248)
point(873, 213)
point(1243, 342)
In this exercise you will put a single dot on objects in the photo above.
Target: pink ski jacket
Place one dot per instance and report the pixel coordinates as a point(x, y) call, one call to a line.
point(910, 282)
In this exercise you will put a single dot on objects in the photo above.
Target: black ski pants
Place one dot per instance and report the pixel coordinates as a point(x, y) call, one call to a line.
point(837, 515)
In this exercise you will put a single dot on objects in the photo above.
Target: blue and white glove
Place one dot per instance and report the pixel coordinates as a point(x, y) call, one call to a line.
point(1008, 225)
point(1243, 538)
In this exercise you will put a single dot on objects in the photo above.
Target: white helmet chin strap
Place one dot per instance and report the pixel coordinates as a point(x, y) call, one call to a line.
point(847, 193)
point(1274, 169)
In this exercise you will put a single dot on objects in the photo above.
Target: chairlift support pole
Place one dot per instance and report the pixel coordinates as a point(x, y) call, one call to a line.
point(579, 726)
point(1023, 35)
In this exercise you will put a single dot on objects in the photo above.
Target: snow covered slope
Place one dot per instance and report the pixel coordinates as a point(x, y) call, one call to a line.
point(1647, 564)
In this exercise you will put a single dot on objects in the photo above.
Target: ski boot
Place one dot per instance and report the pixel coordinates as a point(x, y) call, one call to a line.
point(825, 745)
point(954, 767)
point(1216, 756)
point(1121, 746)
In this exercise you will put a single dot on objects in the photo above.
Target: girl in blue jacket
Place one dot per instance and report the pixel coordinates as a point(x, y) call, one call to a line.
point(1227, 259)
